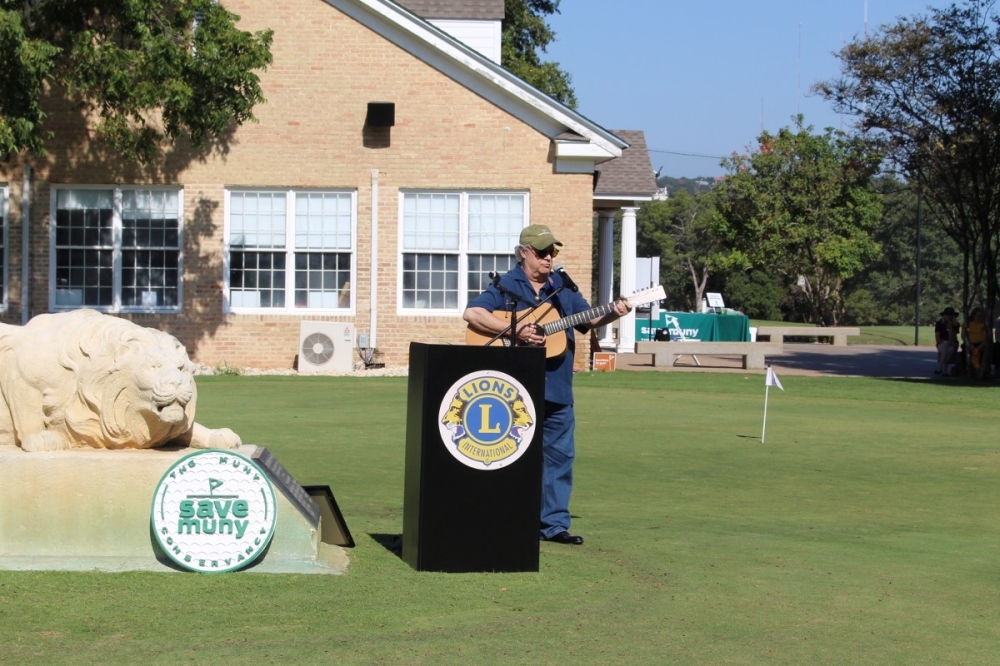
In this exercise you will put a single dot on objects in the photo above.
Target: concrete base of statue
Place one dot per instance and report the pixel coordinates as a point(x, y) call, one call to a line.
point(82, 510)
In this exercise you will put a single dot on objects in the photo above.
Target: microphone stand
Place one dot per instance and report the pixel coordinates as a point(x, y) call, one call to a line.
point(514, 300)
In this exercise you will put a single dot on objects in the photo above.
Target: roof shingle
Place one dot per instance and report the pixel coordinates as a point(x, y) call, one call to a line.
point(628, 175)
point(455, 9)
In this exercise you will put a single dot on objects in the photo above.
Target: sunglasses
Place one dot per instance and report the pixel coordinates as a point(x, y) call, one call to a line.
point(551, 251)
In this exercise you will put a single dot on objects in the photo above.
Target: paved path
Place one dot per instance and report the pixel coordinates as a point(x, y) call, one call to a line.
point(814, 359)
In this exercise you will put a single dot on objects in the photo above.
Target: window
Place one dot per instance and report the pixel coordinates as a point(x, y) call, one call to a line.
point(451, 241)
point(290, 250)
point(117, 249)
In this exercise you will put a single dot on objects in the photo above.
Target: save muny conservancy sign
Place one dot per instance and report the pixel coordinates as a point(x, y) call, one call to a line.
point(647, 332)
point(213, 510)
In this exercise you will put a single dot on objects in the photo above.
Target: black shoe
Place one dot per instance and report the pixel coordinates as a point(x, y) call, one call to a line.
point(565, 537)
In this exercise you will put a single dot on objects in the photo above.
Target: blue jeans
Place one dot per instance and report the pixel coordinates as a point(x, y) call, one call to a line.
point(558, 451)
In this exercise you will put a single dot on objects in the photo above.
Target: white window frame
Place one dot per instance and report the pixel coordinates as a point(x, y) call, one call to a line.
point(290, 252)
point(462, 252)
point(116, 306)
point(4, 238)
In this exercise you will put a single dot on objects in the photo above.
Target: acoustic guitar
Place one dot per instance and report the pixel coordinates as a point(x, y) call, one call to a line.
point(547, 318)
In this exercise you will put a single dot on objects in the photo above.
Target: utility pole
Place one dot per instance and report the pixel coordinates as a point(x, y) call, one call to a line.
point(916, 322)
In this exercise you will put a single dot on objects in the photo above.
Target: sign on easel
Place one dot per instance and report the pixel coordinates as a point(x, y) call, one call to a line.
point(647, 274)
point(604, 361)
point(715, 300)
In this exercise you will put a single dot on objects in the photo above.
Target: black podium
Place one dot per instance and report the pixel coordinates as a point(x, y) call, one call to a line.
point(472, 491)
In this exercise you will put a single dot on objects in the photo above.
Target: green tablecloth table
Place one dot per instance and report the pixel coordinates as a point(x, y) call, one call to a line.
point(697, 326)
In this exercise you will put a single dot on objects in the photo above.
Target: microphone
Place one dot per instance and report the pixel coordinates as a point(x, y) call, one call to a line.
point(495, 278)
point(567, 280)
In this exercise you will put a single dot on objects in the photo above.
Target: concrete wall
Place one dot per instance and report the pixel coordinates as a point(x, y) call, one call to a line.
point(88, 509)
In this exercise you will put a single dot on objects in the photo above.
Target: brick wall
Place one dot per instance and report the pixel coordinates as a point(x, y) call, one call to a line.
point(310, 134)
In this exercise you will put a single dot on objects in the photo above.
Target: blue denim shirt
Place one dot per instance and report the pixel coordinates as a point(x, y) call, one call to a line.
point(559, 370)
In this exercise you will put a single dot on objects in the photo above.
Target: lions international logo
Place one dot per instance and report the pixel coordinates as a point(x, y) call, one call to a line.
point(487, 420)
point(214, 511)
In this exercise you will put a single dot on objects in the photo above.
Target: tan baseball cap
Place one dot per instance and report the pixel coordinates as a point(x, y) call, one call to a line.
point(538, 236)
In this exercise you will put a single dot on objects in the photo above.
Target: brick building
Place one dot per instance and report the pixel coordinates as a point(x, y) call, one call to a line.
point(391, 170)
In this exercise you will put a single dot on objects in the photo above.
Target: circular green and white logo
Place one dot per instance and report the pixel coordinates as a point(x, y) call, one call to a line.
point(214, 511)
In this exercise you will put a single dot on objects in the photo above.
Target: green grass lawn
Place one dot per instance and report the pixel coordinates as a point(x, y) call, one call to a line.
point(873, 335)
point(864, 531)
point(893, 335)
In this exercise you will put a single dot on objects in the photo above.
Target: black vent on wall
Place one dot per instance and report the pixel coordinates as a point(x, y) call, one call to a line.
point(381, 114)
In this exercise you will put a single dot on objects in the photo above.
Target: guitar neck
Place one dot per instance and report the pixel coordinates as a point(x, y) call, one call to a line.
point(578, 318)
point(639, 298)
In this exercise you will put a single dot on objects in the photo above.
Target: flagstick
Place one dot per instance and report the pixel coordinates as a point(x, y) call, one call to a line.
point(763, 430)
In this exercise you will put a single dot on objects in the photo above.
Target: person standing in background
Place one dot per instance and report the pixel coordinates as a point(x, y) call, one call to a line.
point(974, 334)
point(946, 339)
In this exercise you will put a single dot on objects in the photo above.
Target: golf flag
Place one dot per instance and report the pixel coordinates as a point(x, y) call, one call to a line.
point(772, 379)
point(769, 381)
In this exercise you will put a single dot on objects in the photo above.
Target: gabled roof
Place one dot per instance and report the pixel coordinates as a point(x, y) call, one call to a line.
point(488, 80)
point(629, 176)
point(456, 9)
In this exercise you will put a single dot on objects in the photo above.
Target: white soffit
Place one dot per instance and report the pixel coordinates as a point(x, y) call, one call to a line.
point(480, 75)
point(576, 156)
point(482, 36)
point(585, 150)
point(622, 197)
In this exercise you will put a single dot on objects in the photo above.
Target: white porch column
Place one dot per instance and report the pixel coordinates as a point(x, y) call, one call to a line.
point(606, 271)
point(626, 325)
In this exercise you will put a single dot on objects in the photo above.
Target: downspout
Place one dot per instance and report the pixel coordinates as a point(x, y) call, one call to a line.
point(25, 240)
point(373, 282)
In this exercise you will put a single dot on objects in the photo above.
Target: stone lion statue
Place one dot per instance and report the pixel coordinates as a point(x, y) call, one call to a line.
point(83, 378)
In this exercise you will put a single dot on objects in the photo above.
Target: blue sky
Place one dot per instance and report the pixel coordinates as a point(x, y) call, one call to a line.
point(704, 78)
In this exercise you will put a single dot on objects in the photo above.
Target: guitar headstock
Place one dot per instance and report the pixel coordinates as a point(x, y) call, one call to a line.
point(657, 293)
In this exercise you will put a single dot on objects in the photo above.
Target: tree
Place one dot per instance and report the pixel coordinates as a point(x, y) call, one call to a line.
point(884, 292)
point(677, 231)
point(756, 293)
point(525, 34)
point(926, 91)
point(151, 70)
point(802, 206)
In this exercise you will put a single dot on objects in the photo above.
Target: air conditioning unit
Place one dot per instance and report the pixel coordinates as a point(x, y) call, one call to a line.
point(326, 346)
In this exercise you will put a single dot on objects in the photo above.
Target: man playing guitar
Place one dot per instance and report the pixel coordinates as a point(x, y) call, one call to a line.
point(533, 281)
